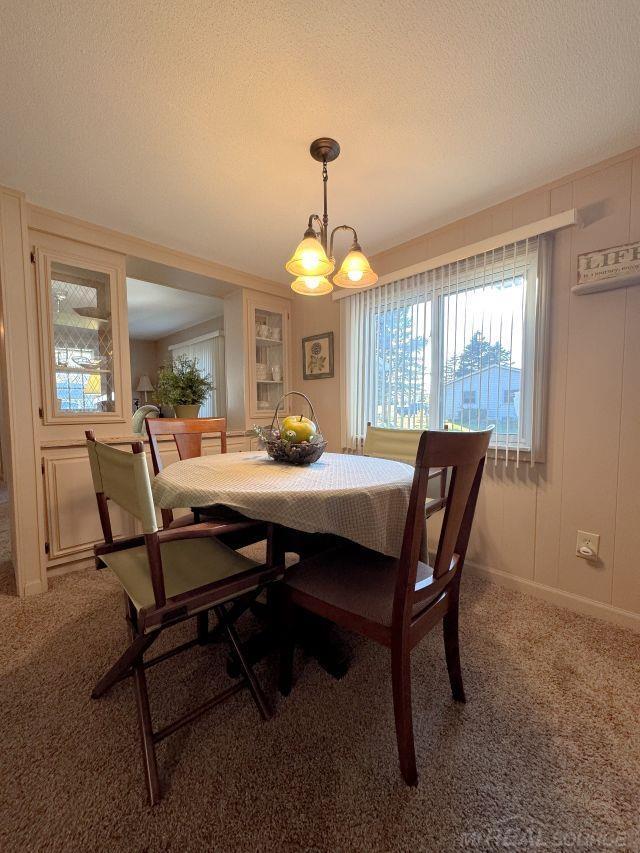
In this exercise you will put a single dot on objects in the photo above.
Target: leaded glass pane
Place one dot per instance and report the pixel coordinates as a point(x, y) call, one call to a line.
point(82, 340)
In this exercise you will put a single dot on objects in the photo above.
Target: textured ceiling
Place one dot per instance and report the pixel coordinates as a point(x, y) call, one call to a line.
point(188, 123)
point(156, 311)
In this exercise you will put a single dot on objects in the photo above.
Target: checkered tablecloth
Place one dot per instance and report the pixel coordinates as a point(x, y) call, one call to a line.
point(357, 497)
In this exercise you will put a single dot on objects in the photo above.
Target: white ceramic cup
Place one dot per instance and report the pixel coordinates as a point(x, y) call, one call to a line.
point(276, 372)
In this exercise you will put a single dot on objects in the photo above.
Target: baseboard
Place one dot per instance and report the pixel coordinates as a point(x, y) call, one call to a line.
point(577, 603)
point(34, 588)
point(77, 566)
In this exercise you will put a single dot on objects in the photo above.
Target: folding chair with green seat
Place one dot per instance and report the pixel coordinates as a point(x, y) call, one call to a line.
point(169, 576)
point(402, 446)
point(187, 434)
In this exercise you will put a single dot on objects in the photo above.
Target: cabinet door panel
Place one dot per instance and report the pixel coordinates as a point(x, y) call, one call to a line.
point(74, 524)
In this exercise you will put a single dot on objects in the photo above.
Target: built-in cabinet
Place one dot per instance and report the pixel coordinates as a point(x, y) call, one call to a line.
point(83, 353)
point(268, 348)
point(66, 366)
point(82, 343)
point(258, 356)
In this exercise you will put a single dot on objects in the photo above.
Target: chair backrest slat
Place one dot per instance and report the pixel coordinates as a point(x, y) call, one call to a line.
point(187, 434)
point(464, 453)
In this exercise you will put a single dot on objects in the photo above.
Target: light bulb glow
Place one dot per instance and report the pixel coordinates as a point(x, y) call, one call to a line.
point(313, 281)
point(309, 260)
point(355, 275)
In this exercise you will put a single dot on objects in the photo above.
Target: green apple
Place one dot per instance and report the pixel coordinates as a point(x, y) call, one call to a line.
point(302, 427)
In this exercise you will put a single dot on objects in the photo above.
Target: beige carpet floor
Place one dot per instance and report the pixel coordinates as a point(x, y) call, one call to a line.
point(544, 756)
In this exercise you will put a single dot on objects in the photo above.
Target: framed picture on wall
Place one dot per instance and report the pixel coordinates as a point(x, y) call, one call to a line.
point(317, 356)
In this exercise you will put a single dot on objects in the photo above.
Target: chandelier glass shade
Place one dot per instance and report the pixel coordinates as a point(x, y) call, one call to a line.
point(309, 258)
point(313, 260)
point(312, 285)
point(355, 270)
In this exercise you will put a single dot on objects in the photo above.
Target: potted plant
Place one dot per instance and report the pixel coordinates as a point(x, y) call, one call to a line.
point(182, 385)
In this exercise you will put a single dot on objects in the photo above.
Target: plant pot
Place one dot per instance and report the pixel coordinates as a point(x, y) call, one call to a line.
point(187, 411)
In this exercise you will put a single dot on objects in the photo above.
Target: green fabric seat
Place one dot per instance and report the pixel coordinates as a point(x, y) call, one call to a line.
point(187, 564)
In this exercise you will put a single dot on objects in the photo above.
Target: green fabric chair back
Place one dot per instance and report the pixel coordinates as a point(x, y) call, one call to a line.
point(123, 477)
point(398, 444)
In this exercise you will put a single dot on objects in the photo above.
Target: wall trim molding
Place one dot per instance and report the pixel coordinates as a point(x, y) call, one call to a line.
point(63, 225)
point(534, 229)
point(19, 374)
point(559, 597)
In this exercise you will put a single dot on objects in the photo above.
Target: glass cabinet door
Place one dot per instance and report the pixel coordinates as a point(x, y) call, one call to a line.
point(269, 331)
point(79, 341)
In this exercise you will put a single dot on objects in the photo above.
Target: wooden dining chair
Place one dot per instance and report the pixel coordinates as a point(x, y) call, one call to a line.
point(169, 576)
point(397, 601)
point(402, 446)
point(187, 434)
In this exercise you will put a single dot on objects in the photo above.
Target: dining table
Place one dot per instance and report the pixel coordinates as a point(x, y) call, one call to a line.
point(359, 498)
point(340, 497)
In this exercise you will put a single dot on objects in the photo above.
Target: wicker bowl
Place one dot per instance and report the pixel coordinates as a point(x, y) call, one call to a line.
point(295, 453)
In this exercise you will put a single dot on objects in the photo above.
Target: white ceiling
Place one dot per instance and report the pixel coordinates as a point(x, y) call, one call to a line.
point(156, 311)
point(188, 123)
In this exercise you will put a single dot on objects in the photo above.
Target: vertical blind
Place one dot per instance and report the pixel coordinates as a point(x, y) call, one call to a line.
point(459, 346)
point(208, 350)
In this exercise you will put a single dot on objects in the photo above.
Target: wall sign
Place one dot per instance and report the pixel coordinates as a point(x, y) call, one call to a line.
point(618, 266)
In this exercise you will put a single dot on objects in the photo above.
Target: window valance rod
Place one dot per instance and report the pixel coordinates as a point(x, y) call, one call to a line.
point(534, 229)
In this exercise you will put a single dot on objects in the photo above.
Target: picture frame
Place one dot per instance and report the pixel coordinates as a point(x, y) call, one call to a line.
point(317, 356)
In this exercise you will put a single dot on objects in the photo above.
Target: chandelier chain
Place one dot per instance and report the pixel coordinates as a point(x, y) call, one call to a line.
point(325, 217)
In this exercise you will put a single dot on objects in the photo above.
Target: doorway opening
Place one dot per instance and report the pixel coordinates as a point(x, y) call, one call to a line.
point(174, 314)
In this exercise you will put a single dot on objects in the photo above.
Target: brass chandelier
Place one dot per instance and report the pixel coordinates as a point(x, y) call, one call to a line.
point(311, 264)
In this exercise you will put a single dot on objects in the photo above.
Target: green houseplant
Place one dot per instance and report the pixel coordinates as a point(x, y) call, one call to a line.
point(182, 385)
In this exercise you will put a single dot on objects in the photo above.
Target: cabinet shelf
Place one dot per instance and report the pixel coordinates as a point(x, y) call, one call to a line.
point(269, 382)
point(268, 342)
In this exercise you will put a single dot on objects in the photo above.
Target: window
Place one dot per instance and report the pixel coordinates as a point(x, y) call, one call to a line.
point(460, 346)
point(208, 351)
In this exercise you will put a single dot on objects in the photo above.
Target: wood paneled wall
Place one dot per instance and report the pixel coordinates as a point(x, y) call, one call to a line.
point(527, 518)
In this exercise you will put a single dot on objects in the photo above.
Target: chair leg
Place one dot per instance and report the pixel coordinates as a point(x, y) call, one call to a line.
point(287, 643)
point(452, 645)
point(202, 622)
point(140, 643)
point(236, 649)
point(401, 682)
point(146, 733)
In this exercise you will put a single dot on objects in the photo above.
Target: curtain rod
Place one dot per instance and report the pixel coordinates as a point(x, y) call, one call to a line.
point(534, 229)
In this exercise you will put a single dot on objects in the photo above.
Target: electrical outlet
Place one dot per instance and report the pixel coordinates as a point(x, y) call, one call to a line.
point(587, 545)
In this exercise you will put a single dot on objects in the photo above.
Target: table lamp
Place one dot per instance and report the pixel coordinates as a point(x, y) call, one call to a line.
point(144, 386)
